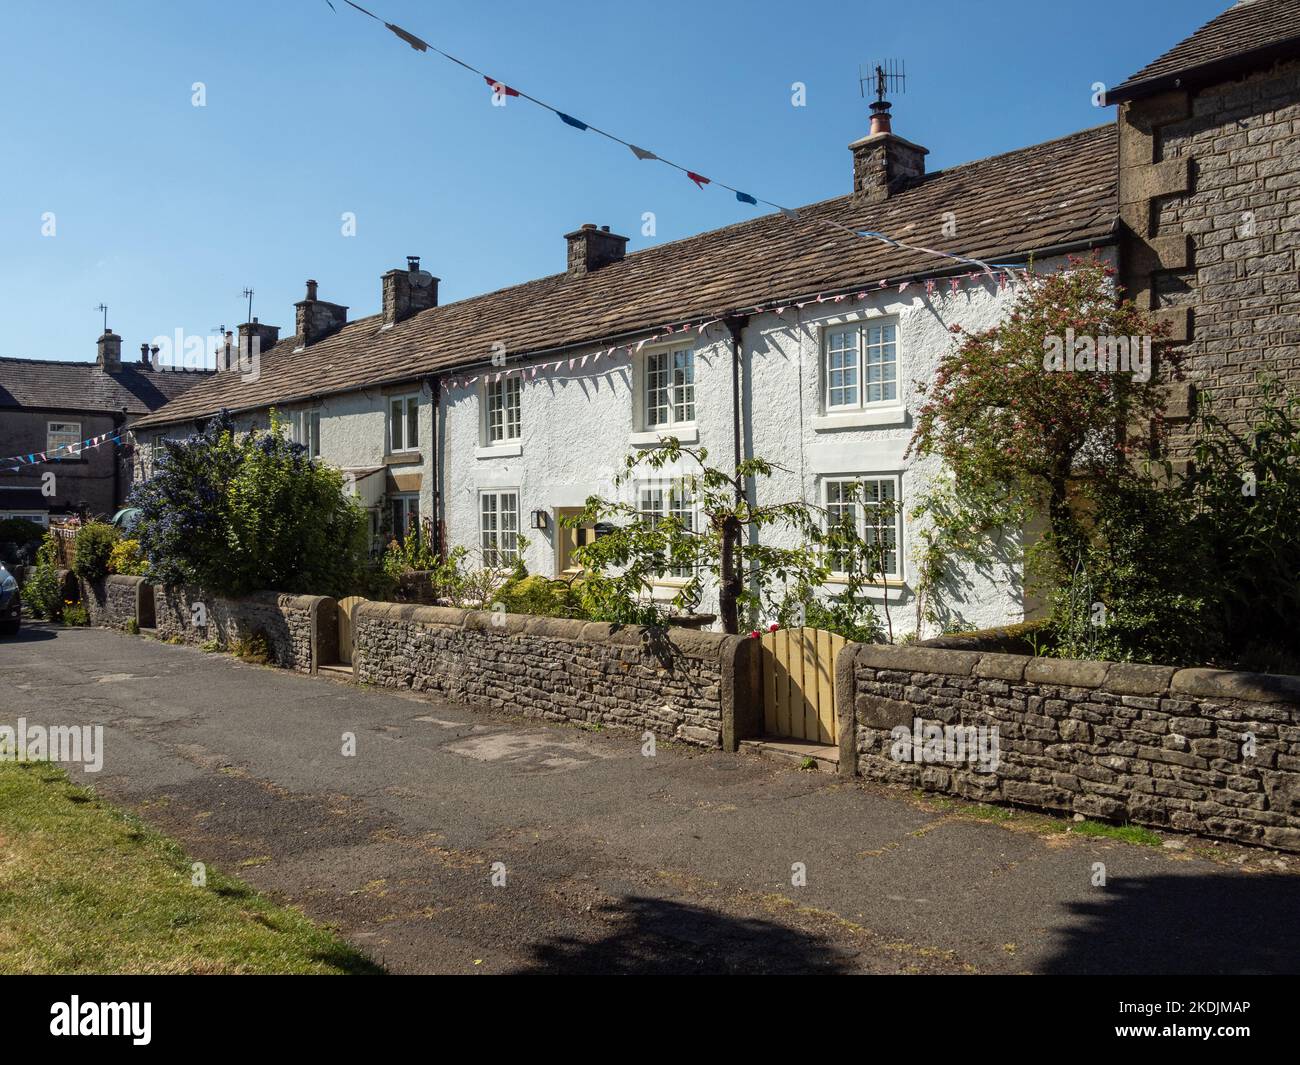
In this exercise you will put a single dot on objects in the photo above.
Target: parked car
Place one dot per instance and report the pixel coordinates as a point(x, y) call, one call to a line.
point(11, 603)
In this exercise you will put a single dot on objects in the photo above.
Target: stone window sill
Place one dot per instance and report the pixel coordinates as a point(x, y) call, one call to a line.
point(860, 419)
point(685, 434)
point(500, 451)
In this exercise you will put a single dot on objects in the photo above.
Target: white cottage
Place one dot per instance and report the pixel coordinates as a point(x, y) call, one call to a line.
point(788, 339)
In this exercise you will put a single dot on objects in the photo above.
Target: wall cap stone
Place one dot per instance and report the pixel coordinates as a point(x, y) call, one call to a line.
point(1134, 678)
point(1228, 684)
point(1066, 672)
point(909, 659)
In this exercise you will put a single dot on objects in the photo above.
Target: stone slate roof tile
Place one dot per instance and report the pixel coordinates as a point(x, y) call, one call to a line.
point(83, 386)
point(1051, 194)
point(1243, 28)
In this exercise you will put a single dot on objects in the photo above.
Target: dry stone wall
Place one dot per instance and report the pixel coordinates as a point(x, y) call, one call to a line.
point(678, 684)
point(1195, 750)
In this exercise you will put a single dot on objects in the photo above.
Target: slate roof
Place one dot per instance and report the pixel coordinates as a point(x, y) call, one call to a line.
point(84, 387)
point(1057, 193)
point(1243, 29)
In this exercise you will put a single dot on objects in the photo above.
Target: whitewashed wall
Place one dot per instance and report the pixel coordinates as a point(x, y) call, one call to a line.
point(577, 426)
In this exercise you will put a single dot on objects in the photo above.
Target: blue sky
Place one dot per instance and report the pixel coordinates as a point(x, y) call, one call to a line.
point(165, 211)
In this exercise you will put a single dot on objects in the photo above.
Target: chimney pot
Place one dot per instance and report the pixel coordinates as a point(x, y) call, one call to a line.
point(144, 354)
point(311, 290)
point(591, 248)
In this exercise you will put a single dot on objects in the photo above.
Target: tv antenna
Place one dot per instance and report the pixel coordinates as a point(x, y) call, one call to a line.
point(248, 295)
point(103, 309)
point(888, 76)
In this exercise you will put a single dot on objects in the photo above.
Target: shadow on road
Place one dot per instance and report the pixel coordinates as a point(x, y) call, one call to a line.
point(1185, 925)
point(30, 633)
point(659, 937)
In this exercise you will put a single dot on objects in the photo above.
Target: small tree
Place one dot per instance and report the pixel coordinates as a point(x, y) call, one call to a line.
point(1021, 428)
point(635, 550)
point(238, 513)
point(92, 550)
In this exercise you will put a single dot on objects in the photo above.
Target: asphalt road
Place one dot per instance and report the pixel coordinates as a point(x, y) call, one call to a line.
point(613, 861)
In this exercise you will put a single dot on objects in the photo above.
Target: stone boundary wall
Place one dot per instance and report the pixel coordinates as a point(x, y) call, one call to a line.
point(113, 601)
point(301, 630)
point(695, 687)
point(1150, 745)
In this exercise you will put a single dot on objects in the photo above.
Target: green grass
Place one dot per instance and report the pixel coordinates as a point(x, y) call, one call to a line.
point(86, 888)
point(1143, 837)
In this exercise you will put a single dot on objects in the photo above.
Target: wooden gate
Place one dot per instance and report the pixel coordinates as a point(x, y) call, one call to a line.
point(347, 607)
point(799, 684)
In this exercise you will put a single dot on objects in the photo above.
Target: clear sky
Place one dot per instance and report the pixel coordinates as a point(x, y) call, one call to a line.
point(166, 211)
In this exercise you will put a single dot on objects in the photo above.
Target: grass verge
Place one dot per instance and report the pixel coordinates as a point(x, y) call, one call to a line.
point(87, 888)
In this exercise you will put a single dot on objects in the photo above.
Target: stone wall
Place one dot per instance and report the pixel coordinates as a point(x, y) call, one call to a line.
point(696, 687)
point(1195, 750)
point(301, 630)
point(1210, 204)
point(114, 601)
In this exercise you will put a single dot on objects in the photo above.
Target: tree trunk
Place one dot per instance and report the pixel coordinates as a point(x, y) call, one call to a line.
point(729, 576)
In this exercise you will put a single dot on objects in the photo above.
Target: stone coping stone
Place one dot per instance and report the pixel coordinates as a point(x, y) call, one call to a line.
point(909, 659)
point(1229, 684)
point(1066, 672)
point(1134, 678)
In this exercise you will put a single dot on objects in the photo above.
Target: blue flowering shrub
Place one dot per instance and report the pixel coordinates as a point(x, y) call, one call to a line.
point(235, 514)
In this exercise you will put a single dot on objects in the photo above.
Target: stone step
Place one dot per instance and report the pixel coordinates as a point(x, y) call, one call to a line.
point(825, 757)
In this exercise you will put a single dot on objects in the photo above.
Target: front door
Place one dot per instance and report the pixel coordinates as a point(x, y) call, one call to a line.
point(568, 540)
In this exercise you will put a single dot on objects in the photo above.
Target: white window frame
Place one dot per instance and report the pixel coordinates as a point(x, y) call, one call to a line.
point(859, 364)
point(498, 425)
point(410, 437)
point(675, 501)
point(410, 504)
point(304, 428)
point(68, 433)
point(681, 396)
point(898, 575)
point(499, 544)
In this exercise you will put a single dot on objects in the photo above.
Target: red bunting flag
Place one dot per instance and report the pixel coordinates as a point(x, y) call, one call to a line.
point(699, 179)
point(500, 87)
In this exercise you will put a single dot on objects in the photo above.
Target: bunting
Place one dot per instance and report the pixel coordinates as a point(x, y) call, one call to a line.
point(646, 155)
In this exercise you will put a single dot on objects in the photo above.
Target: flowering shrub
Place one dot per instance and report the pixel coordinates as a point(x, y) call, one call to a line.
point(233, 514)
point(127, 559)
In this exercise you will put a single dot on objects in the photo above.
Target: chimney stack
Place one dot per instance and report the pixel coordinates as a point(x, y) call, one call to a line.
point(407, 292)
point(144, 355)
point(109, 348)
point(315, 319)
point(883, 162)
point(254, 337)
point(591, 248)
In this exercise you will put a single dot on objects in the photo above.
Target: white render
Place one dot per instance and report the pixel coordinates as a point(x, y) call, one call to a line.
point(578, 425)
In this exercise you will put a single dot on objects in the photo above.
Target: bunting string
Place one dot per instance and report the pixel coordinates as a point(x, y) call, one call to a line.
point(646, 155)
point(59, 453)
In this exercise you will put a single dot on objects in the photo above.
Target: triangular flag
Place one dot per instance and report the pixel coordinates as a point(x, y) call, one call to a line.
point(745, 197)
point(699, 179)
point(569, 120)
point(788, 212)
point(641, 153)
point(903, 286)
point(500, 86)
point(409, 38)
